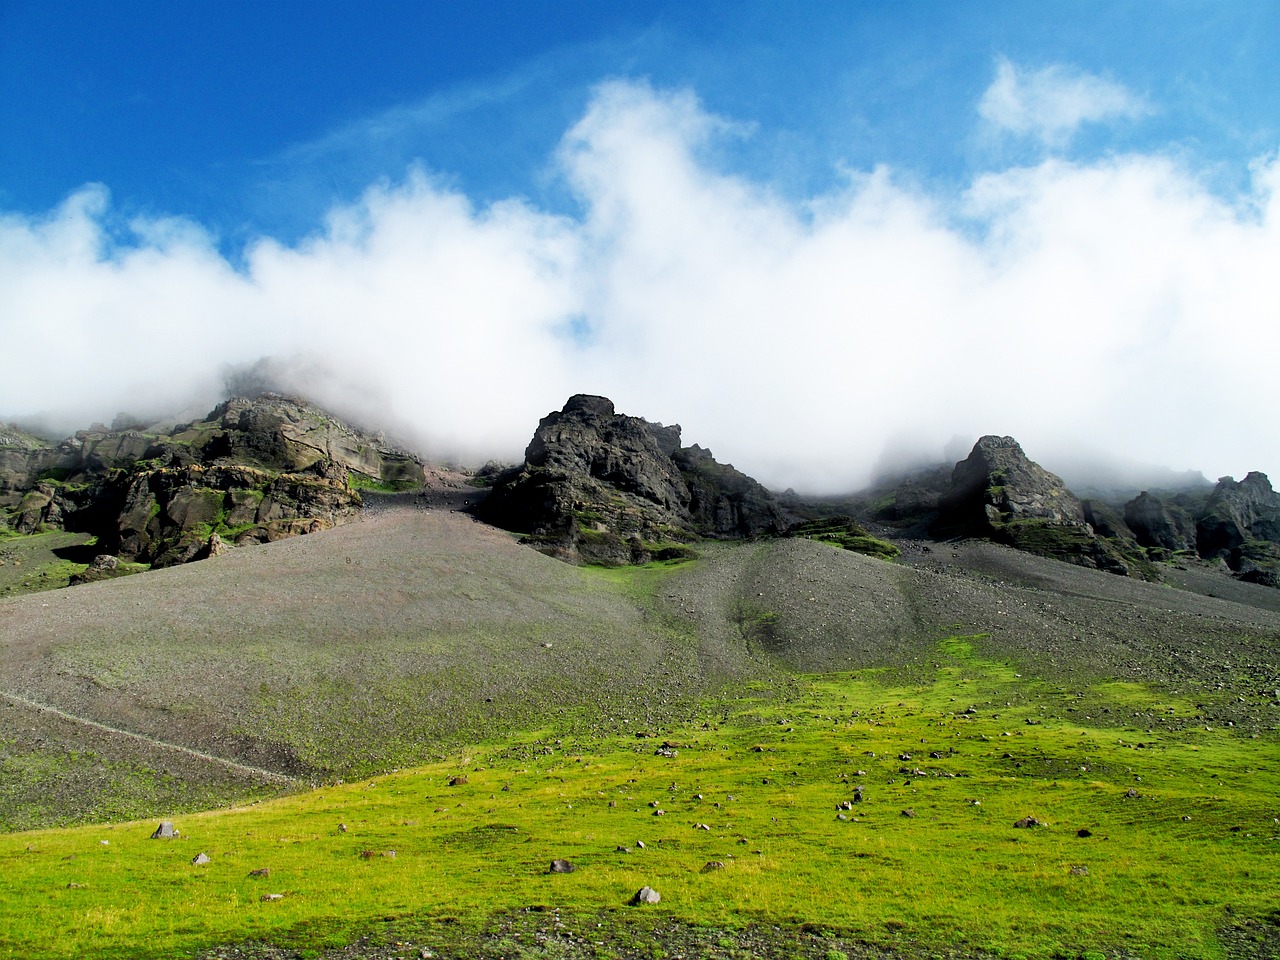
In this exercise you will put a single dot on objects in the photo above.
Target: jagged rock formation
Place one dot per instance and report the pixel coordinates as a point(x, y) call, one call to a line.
point(607, 488)
point(1241, 525)
point(253, 470)
point(997, 493)
point(1159, 525)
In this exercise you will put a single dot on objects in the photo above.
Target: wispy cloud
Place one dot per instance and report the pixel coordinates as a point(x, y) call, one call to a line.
point(1117, 303)
point(1052, 103)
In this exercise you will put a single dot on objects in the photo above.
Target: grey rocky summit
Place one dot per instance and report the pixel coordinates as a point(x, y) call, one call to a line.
point(600, 486)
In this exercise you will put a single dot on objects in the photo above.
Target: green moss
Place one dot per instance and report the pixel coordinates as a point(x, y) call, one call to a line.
point(843, 532)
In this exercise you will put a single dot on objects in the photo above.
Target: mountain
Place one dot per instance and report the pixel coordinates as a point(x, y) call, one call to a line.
point(601, 487)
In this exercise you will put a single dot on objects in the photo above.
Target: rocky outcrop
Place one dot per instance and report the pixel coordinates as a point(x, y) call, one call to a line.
point(997, 485)
point(253, 470)
point(599, 486)
point(998, 493)
point(1241, 525)
point(1159, 525)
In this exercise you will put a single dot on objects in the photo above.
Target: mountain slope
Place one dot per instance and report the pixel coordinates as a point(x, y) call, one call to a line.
point(412, 632)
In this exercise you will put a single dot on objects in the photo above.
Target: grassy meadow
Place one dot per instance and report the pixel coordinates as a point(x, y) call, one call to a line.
point(1182, 836)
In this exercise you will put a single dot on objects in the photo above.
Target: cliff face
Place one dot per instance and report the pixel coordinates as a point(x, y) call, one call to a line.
point(251, 471)
point(603, 487)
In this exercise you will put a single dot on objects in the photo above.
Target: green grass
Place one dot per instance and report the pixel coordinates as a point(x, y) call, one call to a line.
point(28, 563)
point(1164, 867)
point(360, 481)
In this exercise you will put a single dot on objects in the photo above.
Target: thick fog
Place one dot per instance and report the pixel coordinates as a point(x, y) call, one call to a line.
point(1119, 307)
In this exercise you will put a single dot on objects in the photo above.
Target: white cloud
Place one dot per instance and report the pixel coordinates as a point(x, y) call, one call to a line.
point(1052, 103)
point(1117, 304)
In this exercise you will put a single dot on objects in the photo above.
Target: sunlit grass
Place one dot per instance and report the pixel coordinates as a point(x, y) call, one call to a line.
point(1158, 873)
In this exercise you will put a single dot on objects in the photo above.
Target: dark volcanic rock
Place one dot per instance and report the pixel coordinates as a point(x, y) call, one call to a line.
point(1241, 525)
point(997, 493)
point(997, 484)
point(607, 488)
point(1237, 513)
point(1158, 524)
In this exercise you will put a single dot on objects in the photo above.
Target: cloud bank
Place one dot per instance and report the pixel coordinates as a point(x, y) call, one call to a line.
point(1118, 306)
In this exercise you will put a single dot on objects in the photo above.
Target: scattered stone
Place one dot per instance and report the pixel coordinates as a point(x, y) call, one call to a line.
point(200, 859)
point(268, 897)
point(104, 843)
point(1084, 832)
point(264, 872)
point(165, 831)
point(1130, 794)
point(1079, 871)
point(640, 844)
point(622, 849)
point(659, 813)
point(342, 828)
point(561, 866)
point(908, 813)
point(458, 781)
point(841, 816)
point(701, 826)
point(1027, 822)
point(711, 865)
point(646, 895)
point(904, 756)
point(75, 886)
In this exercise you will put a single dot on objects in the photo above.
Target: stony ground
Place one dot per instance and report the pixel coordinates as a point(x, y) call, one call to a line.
point(542, 932)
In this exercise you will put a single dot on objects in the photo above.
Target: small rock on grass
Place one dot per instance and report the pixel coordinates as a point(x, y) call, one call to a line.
point(712, 865)
point(1027, 822)
point(165, 831)
point(200, 859)
point(646, 895)
point(1079, 871)
point(268, 897)
point(561, 866)
point(264, 872)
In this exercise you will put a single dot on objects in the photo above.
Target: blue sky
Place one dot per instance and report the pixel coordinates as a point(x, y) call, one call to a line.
point(1058, 192)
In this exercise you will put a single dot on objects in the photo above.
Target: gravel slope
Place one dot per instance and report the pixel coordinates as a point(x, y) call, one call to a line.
point(416, 629)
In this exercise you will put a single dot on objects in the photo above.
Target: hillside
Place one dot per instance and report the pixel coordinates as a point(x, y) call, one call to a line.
point(397, 638)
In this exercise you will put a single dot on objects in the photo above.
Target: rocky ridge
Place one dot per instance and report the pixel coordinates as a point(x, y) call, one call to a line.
point(602, 487)
point(253, 470)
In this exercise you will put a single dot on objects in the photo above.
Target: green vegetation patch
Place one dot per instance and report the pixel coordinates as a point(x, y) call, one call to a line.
point(868, 811)
point(844, 532)
point(361, 481)
point(29, 563)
